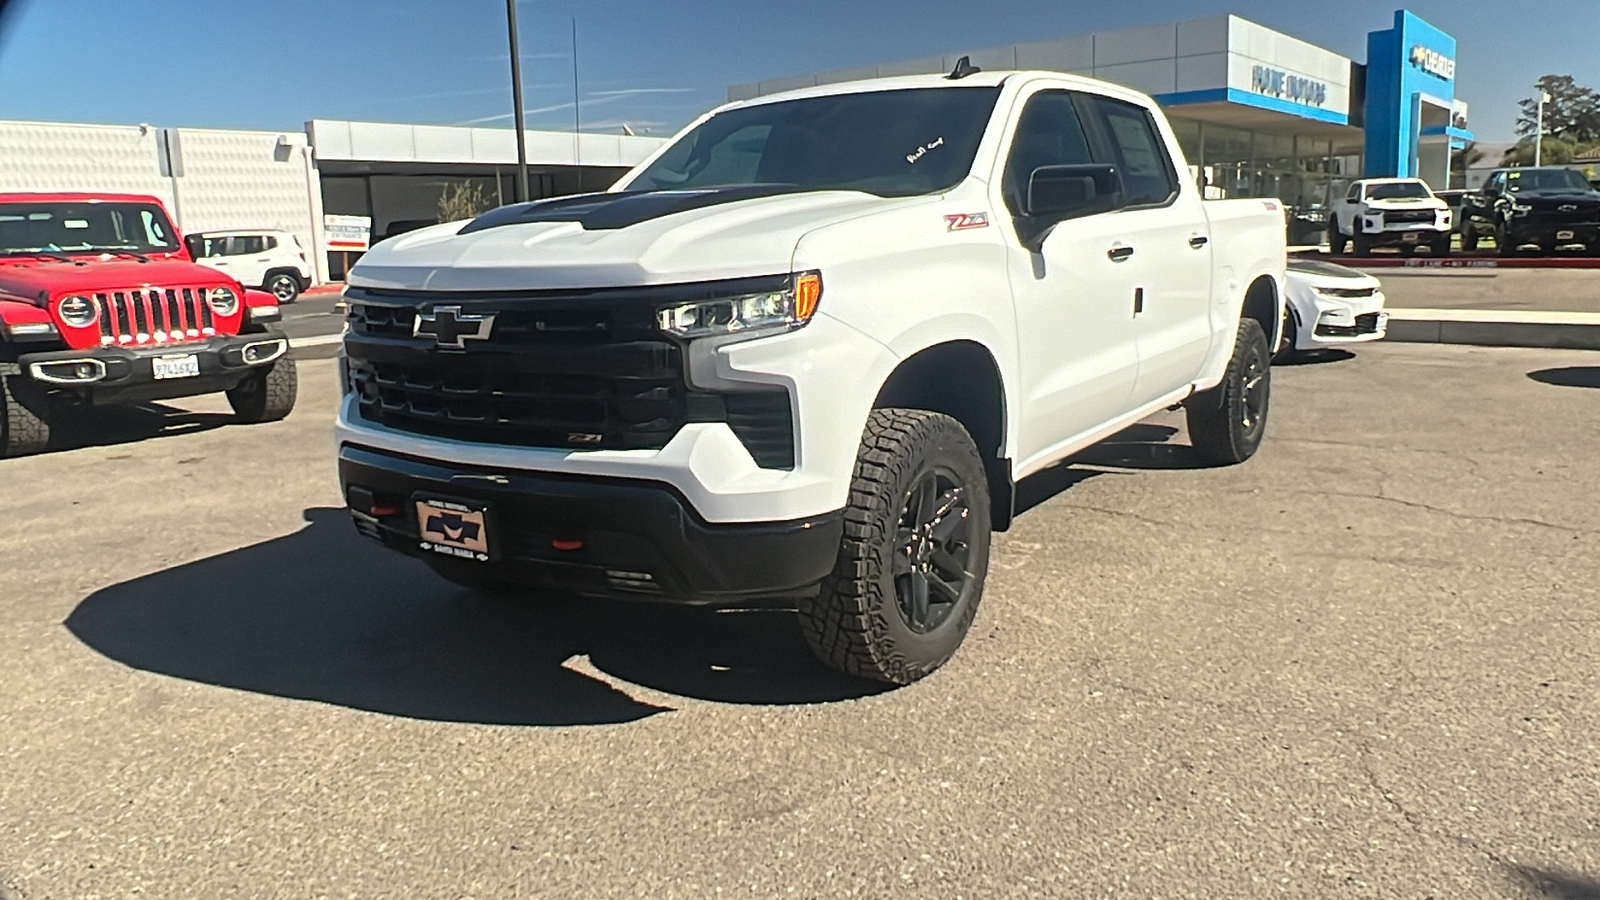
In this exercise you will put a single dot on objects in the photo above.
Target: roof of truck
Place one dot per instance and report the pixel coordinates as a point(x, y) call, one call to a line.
point(78, 198)
point(983, 78)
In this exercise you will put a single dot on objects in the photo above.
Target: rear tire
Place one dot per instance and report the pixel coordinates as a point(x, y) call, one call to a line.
point(1226, 423)
point(911, 566)
point(24, 417)
point(1336, 239)
point(266, 395)
point(285, 287)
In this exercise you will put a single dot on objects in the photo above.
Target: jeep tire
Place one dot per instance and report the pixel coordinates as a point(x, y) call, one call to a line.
point(267, 394)
point(1226, 423)
point(911, 565)
point(24, 417)
point(284, 286)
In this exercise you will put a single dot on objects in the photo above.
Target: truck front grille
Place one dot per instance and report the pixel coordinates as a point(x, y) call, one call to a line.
point(145, 316)
point(569, 370)
point(1409, 215)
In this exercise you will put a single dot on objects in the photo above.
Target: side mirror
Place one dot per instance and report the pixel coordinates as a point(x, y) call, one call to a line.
point(195, 245)
point(1066, 192)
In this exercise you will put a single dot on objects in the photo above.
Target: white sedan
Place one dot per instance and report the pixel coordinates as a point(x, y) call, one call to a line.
point(1329, 306)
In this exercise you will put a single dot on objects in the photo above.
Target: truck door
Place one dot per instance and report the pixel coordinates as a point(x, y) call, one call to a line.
point(1073, 298)
point(1169, 258)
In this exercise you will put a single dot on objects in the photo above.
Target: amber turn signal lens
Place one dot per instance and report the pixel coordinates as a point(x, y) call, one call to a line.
point(807, 294)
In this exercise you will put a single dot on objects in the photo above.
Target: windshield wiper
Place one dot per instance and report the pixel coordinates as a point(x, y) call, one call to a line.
point(51, 254)
point(139, 256)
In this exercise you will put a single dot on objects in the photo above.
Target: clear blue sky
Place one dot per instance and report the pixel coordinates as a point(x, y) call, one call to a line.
point(651, 63)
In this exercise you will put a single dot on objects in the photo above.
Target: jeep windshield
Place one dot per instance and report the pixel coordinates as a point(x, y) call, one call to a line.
point(1400, 190)
point(897, 143)
point(54, 229)
point(1546, 180)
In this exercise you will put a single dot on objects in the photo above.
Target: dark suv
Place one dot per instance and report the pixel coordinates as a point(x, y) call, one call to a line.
point(1548, 206)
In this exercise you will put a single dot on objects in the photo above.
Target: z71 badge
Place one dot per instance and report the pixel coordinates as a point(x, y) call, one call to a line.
point(964, 221)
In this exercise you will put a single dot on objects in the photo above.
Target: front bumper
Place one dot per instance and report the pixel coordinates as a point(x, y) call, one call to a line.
point(591, 535)
point(117, 374)
point(1587, 233)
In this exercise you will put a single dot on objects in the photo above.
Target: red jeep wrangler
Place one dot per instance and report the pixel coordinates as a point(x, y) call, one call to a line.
point(100, 303)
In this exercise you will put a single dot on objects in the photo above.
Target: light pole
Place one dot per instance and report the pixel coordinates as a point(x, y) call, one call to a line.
point(1538, 135)
point(516, 100)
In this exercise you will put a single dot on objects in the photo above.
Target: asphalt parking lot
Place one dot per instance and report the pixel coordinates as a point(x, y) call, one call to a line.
point(1364, 664)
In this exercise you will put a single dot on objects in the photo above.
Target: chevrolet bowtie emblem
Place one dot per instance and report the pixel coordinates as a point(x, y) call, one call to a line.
point(450, 327)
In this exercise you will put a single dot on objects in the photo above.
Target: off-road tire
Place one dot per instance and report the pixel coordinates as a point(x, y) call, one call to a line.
point(1469, 238)
point(1291, 335)
point(1363, 245)
point(1441, 245)
point(855, 624)
point(1336, 240)
point(24, 417)
point(1504, 243)
point(284, 286)
point(267, 394)
point(1218, 429)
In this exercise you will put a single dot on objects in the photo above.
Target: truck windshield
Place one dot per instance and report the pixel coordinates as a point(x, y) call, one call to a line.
point(1400, 190)
point(1546, 180)
point(891, 143)
point(78, 227)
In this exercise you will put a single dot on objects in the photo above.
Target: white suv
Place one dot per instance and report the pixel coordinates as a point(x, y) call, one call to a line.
point(270, 260)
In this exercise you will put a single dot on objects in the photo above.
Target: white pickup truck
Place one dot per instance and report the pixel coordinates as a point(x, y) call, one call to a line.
point(806, 351)
point(1388, 212)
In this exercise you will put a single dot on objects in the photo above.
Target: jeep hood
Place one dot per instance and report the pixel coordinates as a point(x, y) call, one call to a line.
point(615, 240)
point(25, 278)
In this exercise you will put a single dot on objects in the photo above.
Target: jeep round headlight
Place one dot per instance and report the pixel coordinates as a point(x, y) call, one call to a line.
point(77, 311)
point(224, 302)
point(790, 307)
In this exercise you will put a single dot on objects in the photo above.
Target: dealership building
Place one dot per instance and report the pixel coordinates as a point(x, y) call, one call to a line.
point(1258, 112)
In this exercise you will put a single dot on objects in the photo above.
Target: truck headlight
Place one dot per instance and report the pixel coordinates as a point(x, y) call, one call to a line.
point(791, 307)
point(224, 302)
point(77, 311)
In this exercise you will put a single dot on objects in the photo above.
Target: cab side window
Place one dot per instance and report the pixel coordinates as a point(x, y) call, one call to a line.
point(1148, 175)
point(1049, 133)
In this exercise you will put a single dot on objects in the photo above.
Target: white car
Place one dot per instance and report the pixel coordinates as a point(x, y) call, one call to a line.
point(807, 350)
point(1329, 306)
point(273, 261)
point(1388, 212)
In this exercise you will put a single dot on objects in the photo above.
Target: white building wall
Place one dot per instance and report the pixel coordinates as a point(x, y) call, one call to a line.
point(386, 142)
point(48, 156)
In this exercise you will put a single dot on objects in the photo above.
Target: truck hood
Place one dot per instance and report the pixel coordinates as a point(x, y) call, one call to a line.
point(615, 240)
point(1557, 197)
point(1407, 203)
point(28, 277)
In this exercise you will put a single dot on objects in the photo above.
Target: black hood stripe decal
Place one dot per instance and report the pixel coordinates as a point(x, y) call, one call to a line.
point(608, 212)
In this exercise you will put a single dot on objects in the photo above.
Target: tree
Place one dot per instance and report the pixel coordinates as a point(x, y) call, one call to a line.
point(462, 200)
point(1465, 158)
point(1557, 152)
point(1573, 111)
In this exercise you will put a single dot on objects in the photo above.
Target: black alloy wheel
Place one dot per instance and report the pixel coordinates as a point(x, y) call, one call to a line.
point(932, 546)
point(1254, 407)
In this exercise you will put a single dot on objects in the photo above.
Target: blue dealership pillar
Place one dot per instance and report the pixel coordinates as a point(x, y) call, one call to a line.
point(1411, 81)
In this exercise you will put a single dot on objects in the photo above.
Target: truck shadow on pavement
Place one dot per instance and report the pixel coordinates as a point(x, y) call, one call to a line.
point(325, 615)
point(1568, 376)
point(108, 425)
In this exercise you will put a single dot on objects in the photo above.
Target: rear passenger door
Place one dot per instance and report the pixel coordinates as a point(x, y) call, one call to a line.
point(1165, 226)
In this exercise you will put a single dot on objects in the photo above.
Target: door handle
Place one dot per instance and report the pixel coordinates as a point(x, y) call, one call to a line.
point(1119, 253)
point(1199, 241)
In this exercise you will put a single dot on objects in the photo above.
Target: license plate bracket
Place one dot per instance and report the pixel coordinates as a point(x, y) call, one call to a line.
point(1409, 237)
point(454, 527)
point(1566, 235)
point(183, 365)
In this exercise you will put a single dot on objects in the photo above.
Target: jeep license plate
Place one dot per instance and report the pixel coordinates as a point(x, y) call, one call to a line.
point(186, 366)
point(453, 528)
point(1566, 235)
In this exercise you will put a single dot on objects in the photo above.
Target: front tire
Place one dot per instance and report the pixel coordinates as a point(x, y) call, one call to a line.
point(1291, 336)
point(1504, 243)
point(1336, 239)
point(285, 287)
point(1469, 238)
point(1441, 245)
point(911, 566)
point(24, 417)
point(1363, 245)
point(1226, 423)
point(266, 395)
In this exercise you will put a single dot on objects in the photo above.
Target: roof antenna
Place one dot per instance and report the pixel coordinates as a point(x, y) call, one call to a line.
point(964, 67)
